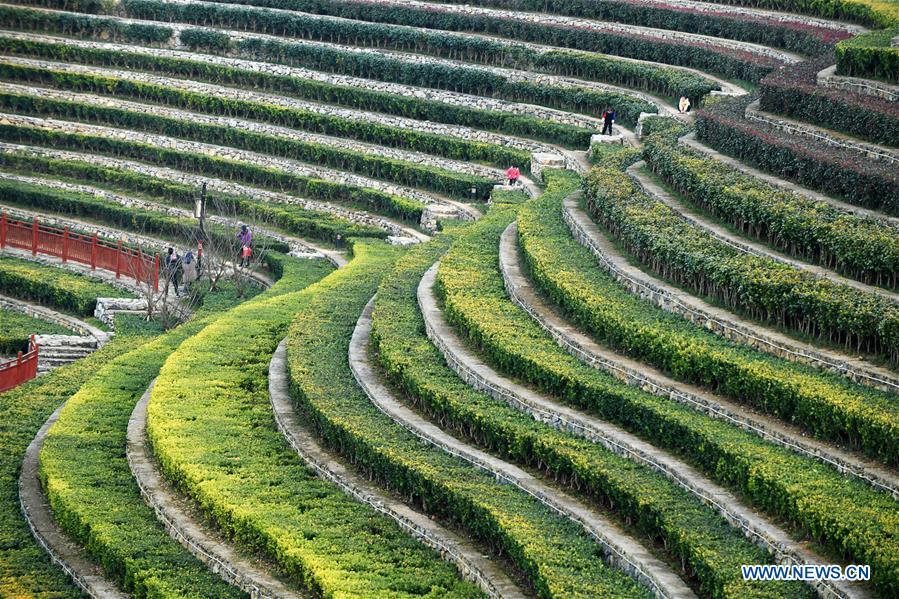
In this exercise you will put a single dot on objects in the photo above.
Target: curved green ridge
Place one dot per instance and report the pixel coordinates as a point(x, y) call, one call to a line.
point(17, 327)
point(25, 569)
point(554, 554)
point(211, 426)
point(848, 516)
point(695, 536)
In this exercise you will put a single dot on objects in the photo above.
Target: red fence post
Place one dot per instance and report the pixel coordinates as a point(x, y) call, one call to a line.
point(94, 252)
point(34, 237)
point(65, 245)
point(118, 261)
point(3, 230)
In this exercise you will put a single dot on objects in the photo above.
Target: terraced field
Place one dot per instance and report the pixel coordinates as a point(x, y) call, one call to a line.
point(301, 331)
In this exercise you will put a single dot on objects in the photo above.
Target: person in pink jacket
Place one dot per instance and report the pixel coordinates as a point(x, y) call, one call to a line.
point(513, 173)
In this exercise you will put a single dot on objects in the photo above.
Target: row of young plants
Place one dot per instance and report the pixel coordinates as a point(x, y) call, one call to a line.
point(554, 555)
point(766, 290)
point(92, 493)
point(211, 427)
point(306, 120)
point(824, 404)
point(440, 180)
point(876, 13)
point(112, 214)
point(53, 287)
point(859, 247)
point(870, 55)
point(27, 572)
point(847, 516)
point(195, 68)
point(703, 55)
point(290, 218)
point(17, 327)
point(794, 92)
point(841, 172)
point(707, 548)
point(468, 79)
point(265, 177)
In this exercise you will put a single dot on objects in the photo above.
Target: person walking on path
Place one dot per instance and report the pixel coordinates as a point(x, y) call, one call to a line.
point(513, 173)
point(173, 269)
point(189, 268)
point(245, 237)
point(608, 119)
point(684, 104)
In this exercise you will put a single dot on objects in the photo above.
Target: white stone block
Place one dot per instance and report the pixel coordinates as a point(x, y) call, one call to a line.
point(541, 160)
point(598, 139)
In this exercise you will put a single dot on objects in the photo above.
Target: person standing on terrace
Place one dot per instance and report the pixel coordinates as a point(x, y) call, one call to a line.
point(245, 237)
point(608, 119)
point(513, 173)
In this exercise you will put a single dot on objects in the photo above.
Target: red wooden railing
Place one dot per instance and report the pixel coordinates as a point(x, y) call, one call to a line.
point(20, 369)
point(85, 249)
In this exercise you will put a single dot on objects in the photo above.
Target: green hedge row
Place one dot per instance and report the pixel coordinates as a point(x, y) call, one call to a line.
point(554, 554)
point(306, 120)
point(846, 515)
point(17, 327)
point(766, 290)
point(701, 55)
point(366, 199)
point(292, 219)
point(825, 404)
point(859, 247)
point(794, 92)
point(706, 546)
point(53, 287)
point(211, 426)
point(96, 209)
point(440, 180)
point(26, 570)
point(870, 55)
point(568, 136)
point(93, 494)
point(841, 172)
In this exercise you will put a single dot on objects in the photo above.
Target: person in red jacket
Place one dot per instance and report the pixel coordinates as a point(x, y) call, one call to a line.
point(513, 173)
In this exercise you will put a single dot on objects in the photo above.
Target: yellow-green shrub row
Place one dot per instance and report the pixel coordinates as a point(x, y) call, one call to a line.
point(707, 547)
point(211, 426)
point(25, 570)
point(54, 287)
point(557, 558)
point(846, 515)
point(91, 490)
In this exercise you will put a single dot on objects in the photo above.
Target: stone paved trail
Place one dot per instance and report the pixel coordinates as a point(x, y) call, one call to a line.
point(717, 320)
point(700, 221)
point(654, 381)
point(471, 562)
point(620, 549)
point(691, 142)
point(482, 377)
